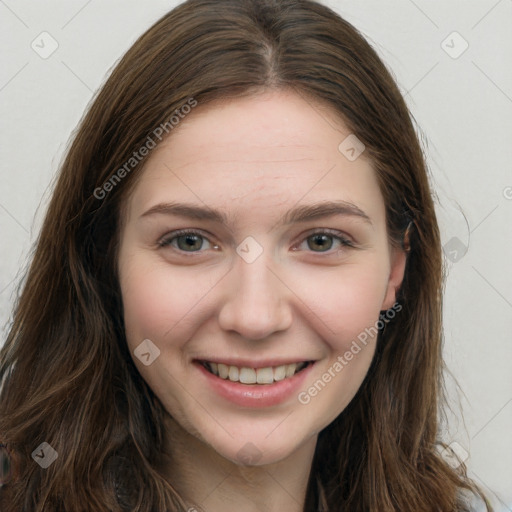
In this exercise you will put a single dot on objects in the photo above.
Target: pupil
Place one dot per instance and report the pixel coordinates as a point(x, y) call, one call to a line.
point(187, 242)
point(324, 242)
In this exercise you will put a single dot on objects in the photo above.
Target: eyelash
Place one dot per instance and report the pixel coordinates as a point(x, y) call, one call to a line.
point(167, 240)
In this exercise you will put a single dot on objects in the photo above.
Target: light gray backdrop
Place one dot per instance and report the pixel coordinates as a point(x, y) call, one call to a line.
point(452, 60)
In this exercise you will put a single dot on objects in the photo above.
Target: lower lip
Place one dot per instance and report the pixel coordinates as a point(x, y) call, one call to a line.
point(256, 395)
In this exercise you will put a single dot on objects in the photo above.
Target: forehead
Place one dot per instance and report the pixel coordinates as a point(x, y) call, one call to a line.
point(255, 153)
point(276, 126)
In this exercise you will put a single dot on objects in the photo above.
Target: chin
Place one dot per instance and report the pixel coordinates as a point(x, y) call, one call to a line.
point(256, 447)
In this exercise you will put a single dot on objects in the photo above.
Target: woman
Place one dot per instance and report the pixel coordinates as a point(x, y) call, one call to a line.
point(235, 299)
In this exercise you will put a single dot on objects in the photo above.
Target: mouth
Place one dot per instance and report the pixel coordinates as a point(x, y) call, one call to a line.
point(248, 375)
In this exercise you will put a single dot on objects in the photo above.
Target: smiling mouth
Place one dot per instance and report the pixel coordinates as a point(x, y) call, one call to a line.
point(246, 375)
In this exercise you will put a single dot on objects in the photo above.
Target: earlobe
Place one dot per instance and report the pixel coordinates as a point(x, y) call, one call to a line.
point(406, 242)
point(398, 264)
point(396, 275)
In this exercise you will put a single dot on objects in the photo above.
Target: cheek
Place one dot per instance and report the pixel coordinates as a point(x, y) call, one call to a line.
point(158, 300)
point(343, 301)
point(346, 304)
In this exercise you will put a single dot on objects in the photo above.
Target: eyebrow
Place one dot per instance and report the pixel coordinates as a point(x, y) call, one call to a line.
point(301, 213)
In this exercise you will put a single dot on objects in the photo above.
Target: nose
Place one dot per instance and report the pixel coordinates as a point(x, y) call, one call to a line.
point(257, 301)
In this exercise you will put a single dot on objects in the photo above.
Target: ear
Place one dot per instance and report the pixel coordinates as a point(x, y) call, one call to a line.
point(396, 276)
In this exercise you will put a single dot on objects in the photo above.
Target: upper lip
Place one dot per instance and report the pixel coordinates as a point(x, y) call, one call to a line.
point(251, 363)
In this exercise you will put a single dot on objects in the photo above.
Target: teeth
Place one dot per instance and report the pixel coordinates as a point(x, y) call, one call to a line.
point(245, 375)
point(264, 375)
point(290, 369)
point(279, 372)
point(233, 373)
point(223, 371)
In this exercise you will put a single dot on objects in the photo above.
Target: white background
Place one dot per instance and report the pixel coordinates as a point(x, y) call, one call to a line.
point(463, 108)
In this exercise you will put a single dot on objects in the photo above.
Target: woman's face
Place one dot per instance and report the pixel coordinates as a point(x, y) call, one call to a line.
point(252, 246)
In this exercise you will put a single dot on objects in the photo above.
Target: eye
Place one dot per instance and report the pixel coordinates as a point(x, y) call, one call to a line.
point(325, 240)
point(192, 241)
point(186, 240)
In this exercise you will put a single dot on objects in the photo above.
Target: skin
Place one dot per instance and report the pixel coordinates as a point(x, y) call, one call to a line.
point(253, 159)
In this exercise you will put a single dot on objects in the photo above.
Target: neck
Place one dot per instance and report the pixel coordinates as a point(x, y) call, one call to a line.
point(206, 479)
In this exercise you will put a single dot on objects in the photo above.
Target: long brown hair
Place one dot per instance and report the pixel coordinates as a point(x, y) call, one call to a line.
point(66, 374)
